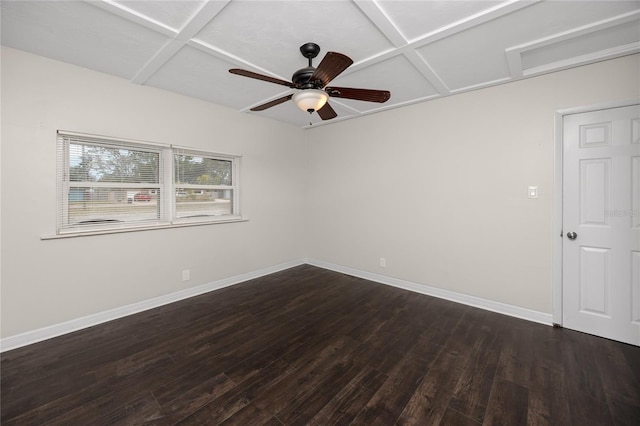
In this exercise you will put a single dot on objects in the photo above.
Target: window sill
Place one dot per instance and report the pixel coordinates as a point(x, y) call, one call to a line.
point(93, 232)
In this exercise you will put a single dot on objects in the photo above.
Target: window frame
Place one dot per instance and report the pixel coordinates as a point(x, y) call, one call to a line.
point(167, 210)
point(235, 205)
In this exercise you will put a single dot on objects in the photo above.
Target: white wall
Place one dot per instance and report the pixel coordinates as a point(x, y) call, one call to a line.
point(440, 188)
point(48, 282)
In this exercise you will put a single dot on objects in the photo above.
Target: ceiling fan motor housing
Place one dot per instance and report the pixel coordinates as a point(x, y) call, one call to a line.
point(302, 78)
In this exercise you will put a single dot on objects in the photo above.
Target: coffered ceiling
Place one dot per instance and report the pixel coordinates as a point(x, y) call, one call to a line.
point(419, 50)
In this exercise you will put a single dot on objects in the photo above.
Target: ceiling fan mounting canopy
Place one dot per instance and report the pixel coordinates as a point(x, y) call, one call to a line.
point(310, 50)
point(311, 81)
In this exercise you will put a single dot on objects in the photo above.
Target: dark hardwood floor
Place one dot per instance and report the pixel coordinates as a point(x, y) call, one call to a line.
point(308, 346)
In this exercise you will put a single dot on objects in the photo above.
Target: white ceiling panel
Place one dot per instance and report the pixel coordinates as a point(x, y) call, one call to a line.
point(396, 75)
point(480, 51)
point(80, 34)
point(269, 33)
point(583, 44)
point(194, 73)
point(172, 13)
point(415, 19)
point(418, 50)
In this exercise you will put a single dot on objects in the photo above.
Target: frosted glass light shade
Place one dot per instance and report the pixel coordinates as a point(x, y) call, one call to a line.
point(310, 100)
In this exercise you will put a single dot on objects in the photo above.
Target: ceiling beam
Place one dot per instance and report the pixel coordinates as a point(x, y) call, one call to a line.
point(382, 22)
point(198, 21)
point(133, 16)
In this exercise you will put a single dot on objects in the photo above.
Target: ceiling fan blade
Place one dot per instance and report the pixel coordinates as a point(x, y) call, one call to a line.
point(327, 112)
point(262, 77)
point(271, 103)
point(368, 95)
point(330, 67)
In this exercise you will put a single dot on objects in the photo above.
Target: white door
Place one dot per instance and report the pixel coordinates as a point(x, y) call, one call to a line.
point(601, 223)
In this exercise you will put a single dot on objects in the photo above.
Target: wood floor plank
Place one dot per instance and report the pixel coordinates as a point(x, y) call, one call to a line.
point(516, 356)
point(549, 404)
point(31, 396)
point(109, 394)
point(430, 402)
point(624, 413)
point(472, 392)
point(138, 412)
point(220, 408)
point(388, 403)
point(312, 346)
point(632, 358)
point(188, 400)
point(252, 415)
point(587, 409)
point(89, 405)
point(351, 399)
point(508, 404)
point(304, 374)
point(304, 406)
point(453, 418)
point(612, 365)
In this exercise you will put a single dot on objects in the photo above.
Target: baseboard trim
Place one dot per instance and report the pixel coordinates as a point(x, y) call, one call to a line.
point(489, 305)
point(45, 333)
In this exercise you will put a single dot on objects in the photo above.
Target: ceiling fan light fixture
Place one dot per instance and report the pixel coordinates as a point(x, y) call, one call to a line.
point(310, 100)
point(309, 80)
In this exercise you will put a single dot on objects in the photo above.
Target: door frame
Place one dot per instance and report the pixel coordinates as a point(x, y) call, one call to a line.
point(557, 238)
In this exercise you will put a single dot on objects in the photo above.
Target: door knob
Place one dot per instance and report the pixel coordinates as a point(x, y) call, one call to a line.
point(572, 235)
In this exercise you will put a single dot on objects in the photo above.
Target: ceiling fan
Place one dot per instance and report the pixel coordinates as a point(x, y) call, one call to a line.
point(312, 83)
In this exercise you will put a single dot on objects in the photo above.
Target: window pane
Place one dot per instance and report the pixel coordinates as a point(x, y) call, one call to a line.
point(92, 163)
point(107, 184)
point(110, 205)
point(202, 203)
point(196, 170)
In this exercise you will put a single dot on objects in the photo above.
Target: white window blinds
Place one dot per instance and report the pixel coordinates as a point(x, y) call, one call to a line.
point(204, 185)
point(111, 184)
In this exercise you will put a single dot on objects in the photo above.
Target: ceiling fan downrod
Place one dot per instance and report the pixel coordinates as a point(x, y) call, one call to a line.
point(302, 77)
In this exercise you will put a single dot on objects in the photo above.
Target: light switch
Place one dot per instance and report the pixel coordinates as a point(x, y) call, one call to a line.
point(533, 192)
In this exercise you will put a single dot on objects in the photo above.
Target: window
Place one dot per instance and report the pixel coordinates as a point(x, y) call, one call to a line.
point(203, 185)
point(106, 184)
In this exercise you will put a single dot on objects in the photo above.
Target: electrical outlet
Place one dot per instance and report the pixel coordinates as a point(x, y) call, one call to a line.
point(186, 275)
point(383, 262)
